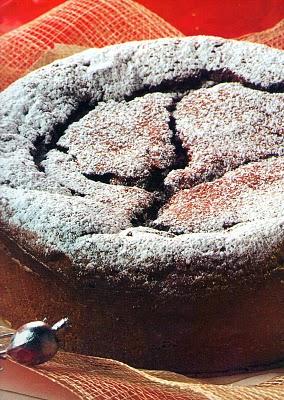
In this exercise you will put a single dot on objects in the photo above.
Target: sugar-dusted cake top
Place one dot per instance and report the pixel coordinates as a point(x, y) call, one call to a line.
point(149, 163)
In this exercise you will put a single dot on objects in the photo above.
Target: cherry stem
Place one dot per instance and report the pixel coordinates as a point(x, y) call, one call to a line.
point(63, 323)
point(4, 335)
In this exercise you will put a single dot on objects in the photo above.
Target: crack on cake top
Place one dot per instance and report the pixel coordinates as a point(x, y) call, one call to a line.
point(154, 182)
point(249, 193)
point(43, 146)
point(91, 222)
point(158, 179)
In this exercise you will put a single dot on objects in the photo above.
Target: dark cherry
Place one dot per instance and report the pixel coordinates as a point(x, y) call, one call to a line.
point(34, 343)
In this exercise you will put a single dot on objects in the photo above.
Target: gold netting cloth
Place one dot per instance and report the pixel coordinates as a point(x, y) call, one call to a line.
point(71, 377)
point(69, 28)
point(85, 23)
point(97, 378)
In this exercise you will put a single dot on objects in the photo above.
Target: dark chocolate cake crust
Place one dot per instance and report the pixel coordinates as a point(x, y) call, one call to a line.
point(153, 166)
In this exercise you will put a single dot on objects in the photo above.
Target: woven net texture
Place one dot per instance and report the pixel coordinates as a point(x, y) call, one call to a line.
point(67, 29)
point(273, 37)
point(90, 378)
point(89, 23)
point(70, 377)
point(85, 23)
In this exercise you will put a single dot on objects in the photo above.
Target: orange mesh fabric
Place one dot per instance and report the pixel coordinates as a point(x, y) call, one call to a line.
point(91, 23)
point(87, 23)
point(273, 37)
point(71, 376)
point(96, 378)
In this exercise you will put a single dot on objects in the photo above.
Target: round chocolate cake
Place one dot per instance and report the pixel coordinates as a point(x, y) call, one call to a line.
point(142, 194)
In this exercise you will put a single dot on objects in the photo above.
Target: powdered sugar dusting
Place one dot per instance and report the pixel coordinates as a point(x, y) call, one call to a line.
point(126, 140)
point(63, 180)
point(62, 219)
point(224, 127)
point(251, 192)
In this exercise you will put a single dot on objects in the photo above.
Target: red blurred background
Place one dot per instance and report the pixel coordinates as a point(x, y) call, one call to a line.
point(228, 18)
